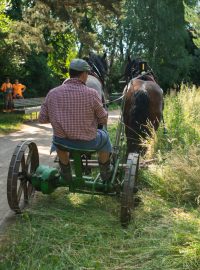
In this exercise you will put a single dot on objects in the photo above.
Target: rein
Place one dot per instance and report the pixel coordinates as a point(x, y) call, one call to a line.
point(95, 72)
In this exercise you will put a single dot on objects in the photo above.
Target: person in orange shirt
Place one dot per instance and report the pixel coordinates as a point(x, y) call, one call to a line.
point(7, 90)
point(18, 89)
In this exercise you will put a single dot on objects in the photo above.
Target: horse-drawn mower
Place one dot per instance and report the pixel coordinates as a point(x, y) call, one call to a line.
point(142, 101)
point(26, 175)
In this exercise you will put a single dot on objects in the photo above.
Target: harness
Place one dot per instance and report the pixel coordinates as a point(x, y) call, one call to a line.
point(95, 72)
point(96, 76)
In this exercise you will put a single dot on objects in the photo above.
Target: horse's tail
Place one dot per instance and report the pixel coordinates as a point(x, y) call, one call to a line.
point(139, 111)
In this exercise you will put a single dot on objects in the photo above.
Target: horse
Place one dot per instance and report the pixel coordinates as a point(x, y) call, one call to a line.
point(96, 77)
point(143, 103)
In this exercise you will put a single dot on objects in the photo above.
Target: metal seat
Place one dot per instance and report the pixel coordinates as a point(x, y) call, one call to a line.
point(77, 156)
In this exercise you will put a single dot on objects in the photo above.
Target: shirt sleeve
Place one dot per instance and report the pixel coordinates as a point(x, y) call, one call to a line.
point(101, 113)
point(44, 116)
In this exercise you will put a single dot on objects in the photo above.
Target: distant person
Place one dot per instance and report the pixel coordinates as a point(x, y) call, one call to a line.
point(7, 90)
point(18, 89)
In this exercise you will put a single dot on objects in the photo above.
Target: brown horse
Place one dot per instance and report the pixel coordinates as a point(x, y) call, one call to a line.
point(143, 103)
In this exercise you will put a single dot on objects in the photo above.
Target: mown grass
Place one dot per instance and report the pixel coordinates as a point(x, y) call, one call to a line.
point(71, 231)
point(65, 231)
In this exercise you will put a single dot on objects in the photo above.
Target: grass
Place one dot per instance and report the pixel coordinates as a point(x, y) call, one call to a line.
point(10, 122)
point(114, 106)
point(70, 231)
point(63, 231)
point(176, 175)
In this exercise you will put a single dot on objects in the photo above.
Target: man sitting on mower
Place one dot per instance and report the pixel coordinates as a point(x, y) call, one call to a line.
point(74, 111)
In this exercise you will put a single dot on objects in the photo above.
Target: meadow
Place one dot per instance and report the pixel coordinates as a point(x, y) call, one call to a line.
point(62, 231)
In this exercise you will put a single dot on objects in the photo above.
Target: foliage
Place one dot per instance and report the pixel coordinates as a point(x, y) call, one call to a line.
point(5, 52)
point(193, 46)
point(155, 30)
point(158, 32)
point(193, 19)
point(64, 50)
point(4, 20)
point(55, 31)
point(38, 75)
point(165, 33)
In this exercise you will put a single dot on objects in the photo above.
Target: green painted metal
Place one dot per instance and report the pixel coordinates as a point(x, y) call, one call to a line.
point(115, 171)
point(47, 179)
point(78, 181)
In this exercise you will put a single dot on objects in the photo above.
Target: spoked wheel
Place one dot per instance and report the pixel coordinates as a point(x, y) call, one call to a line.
point(23, 164)
point(127, 200)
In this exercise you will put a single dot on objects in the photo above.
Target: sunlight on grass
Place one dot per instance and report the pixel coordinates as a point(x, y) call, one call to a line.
point(12, 122)
point(56, 233)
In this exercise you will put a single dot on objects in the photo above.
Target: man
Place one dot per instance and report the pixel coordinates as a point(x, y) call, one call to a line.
point(74, 111)
point(18, 89)
point(7, 90)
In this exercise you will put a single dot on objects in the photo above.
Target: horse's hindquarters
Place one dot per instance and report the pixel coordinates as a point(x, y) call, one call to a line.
point(143, 104)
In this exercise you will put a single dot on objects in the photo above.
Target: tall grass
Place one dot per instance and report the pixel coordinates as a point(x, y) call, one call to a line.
point(177, 172)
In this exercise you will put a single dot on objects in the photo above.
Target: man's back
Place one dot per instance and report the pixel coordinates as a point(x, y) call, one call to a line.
point(74, 111)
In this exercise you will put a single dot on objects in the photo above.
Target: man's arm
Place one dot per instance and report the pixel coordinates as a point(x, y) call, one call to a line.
point(101, 113)
point(23, 88)
point(43, 116)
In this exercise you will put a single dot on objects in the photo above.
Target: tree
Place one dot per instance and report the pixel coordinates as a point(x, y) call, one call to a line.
point(156, 30)
point(38, 77)
point(6, 48)
point(64, 50)
point(192, 16)
point(50, 33)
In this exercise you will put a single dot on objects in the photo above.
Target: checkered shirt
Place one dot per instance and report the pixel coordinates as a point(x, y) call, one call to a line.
point(74, 111)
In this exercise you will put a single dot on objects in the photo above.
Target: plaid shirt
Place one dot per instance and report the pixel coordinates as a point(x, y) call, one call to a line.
point(74, 111)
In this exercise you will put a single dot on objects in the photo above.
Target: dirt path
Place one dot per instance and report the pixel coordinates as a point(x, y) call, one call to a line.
point(41, 135)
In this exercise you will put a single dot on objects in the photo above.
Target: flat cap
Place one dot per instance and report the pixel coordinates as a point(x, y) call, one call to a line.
point(79, 65)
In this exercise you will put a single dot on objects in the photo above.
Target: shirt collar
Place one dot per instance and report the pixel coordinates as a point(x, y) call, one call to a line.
point(74, 80)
